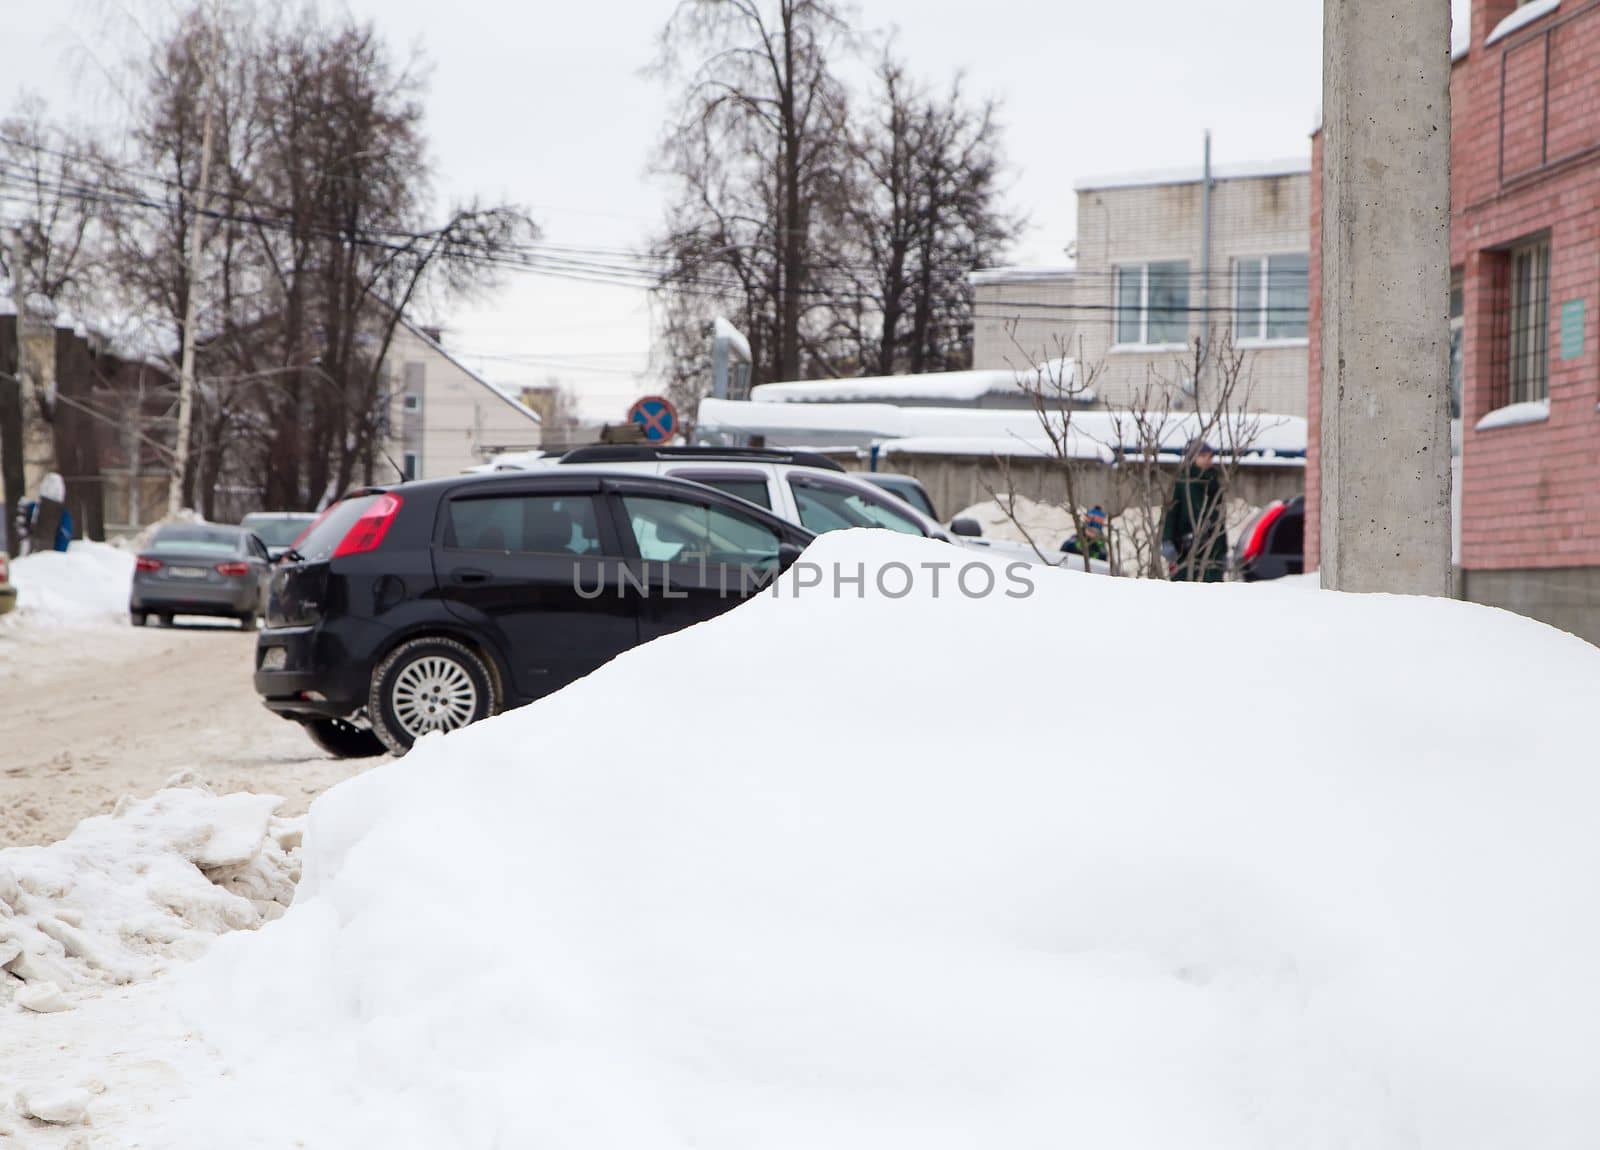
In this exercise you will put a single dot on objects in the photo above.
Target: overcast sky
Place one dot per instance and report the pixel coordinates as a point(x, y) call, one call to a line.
point(545, 104)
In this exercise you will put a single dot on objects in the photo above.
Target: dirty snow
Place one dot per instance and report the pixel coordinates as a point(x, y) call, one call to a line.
point(126, 895)
point(896, 930)
point(87, 583)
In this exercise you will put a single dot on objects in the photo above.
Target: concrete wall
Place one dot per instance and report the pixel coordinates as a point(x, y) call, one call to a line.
point(462, 420)
point(1564, 597)
point(1033, 317)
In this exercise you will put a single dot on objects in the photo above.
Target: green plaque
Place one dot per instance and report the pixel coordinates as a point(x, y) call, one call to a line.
point(1572, 329)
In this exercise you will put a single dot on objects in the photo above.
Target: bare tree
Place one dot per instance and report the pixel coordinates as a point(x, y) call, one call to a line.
point(754, 150)
point(49, 175)
point(923, 211)
point(1134, 455)
point(314, 244)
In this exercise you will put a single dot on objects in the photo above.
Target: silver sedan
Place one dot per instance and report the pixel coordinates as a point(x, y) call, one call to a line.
point(200, 569)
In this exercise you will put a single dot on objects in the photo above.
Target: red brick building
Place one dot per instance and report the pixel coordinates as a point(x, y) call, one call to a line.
point(1525, 255)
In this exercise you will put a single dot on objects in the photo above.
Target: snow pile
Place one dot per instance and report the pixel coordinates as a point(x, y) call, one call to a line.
point(128, 894)
point(1135, 532)
point(87, 583)
point(1047, 525)
point(957, 871)
point(1053, 377)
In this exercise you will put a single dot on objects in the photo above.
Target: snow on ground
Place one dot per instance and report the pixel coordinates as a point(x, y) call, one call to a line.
point(92, 709)
point(982, 901)
point(127, 894)
point(87, 583)
point(1136, 532)
point(122, 899)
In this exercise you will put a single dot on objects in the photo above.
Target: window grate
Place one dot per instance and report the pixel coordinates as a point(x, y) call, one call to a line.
point(1527, 363)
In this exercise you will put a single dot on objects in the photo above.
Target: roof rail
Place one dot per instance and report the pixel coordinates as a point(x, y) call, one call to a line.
point(636, 452)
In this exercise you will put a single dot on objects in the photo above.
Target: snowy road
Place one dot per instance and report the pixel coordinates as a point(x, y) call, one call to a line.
point(88, 714)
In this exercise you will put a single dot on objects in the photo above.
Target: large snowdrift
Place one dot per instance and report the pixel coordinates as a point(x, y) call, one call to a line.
point(87, 583)
point(1113, 865)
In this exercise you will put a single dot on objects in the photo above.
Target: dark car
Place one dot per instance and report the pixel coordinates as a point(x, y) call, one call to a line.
point(1273, 544)
point(427, 606)
point(277, 529)
point(199, 569)
point(906, 487)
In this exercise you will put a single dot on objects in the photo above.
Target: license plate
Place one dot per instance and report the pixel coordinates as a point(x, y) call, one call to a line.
point(187, 572)
point(273, 659)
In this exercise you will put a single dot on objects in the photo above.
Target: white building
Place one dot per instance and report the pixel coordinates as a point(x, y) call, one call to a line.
point(443, 417)
point(1142, 288)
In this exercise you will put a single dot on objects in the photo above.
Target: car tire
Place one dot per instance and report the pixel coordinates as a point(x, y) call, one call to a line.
point(429, 684)
point(138, 618)
point(165, 620)
point(343, 739)
point(247, 622)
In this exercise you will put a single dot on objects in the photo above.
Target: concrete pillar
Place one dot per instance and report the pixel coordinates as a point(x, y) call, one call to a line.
point(1385, 296)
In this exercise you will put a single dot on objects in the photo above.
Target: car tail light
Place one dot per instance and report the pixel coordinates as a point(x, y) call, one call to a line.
point(368, 531)
point(233, 568)
point(1263, 527)
point(145, 563)
point(5, 568)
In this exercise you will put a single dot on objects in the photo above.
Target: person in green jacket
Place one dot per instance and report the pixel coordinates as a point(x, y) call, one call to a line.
point(1194, 534)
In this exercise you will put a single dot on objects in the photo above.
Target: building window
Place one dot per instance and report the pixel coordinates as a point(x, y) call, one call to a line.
point(1270, 298)
point(411, 465)
point(413, 403)
point(1458, 331)
point(1526, 376)
point(1153, 304)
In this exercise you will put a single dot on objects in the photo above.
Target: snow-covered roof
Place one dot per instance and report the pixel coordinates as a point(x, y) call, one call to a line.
point(1282, 436)
point(1024, 274)
point(436, 346)
point(1252, 170)
point(1521, 18)
point(1078, 446)
point(950, 386)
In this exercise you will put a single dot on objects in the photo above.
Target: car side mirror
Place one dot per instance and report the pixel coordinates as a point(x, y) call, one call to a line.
point(970, 528)
point(787, 554)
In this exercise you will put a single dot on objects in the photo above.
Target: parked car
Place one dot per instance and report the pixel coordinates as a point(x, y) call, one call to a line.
point(200, 569)
point(1272, 544)
point(430, 605)
point(803, 487)
point(907, 488)
point(277, 529)
point(8, 593)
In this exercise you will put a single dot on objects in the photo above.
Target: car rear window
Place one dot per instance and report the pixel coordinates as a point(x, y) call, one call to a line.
point(276, 530)
point(752, 489)
point(551, 524)
point(334, 525)
point(195, 540)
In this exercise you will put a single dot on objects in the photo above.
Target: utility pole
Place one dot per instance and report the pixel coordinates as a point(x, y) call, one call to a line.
point(13, 472)
point(1385, 296)
point(1205, 271)
point(180, 455)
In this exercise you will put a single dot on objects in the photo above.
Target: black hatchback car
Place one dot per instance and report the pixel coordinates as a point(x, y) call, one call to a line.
point(427, 606)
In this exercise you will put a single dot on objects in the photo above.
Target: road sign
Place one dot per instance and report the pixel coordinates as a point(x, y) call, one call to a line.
point(657, 416)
